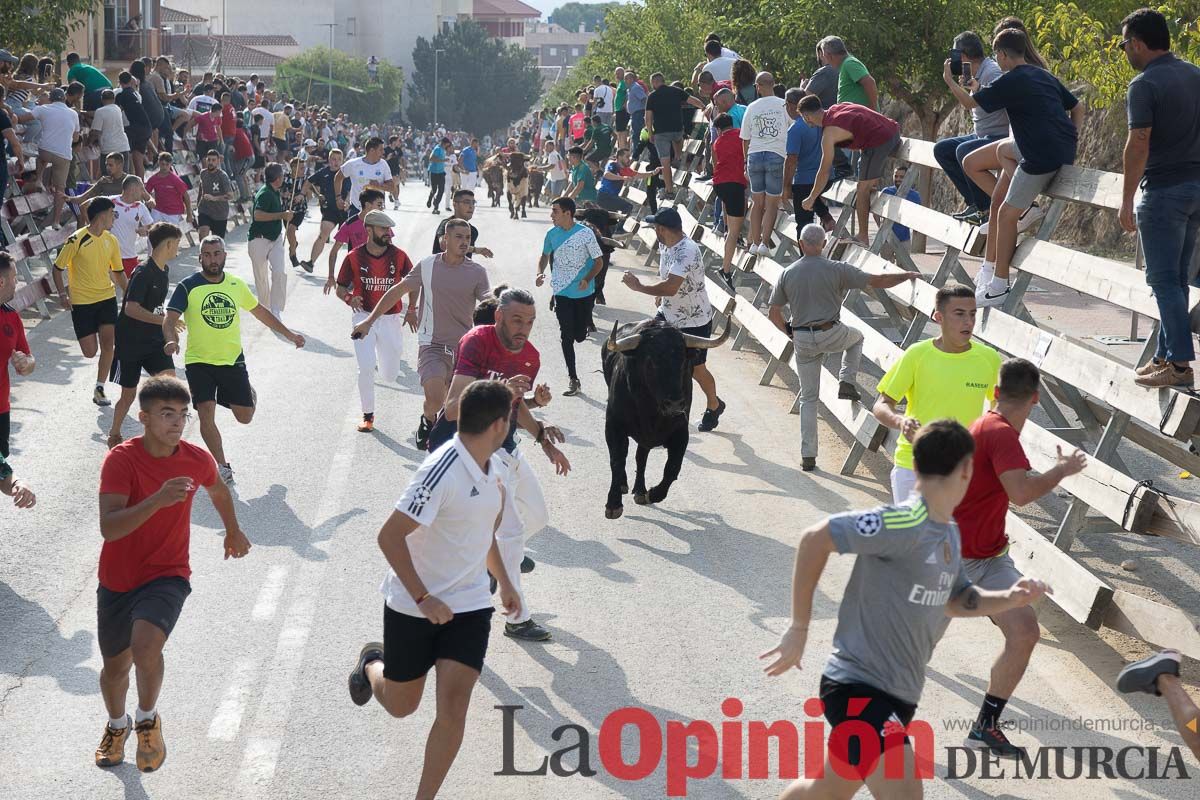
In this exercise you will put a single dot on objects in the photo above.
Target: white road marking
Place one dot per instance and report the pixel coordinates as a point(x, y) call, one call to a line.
point(228, 718)
point(268, 595)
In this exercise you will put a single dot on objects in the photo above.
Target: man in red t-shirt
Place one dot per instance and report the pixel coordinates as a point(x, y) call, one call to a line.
point(15, 348)
point(353, 233)
point(171, 200)
point(146, 488)
point(1002, 473)
point(502, 351)
point(367, 272)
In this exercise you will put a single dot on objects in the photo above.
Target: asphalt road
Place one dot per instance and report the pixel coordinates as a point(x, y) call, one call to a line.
point(664, 610)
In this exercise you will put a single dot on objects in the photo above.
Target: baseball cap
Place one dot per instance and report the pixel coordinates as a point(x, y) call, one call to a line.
point(310, 143)
point(57, 95)
point(7, 56)
point(667, 217)
point(378, 219)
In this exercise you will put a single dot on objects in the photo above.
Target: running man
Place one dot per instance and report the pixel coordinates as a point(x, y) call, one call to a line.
point(437, 175)
point(367, 273)
point(333, 213)
point(146, 490)
point(139, 334)
point(501, 350)
point(353, 234)
point(92, 257)
point(907, 581)
point(1158, 675)
point(440, 543)
point(216, 193)
point(951, 375)
point(131, 219)
point(369, 171)
point(464, 209)
point(268, 216)
point(215, 365)
point(14, 347)
point(1002, 473)
point(450, 285)
point(172, 200)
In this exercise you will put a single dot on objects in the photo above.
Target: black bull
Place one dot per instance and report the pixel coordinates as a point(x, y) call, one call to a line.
point(649, 377)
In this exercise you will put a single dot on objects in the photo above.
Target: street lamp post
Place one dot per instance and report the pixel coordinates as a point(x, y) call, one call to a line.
point(331, 26)
point(435, 85)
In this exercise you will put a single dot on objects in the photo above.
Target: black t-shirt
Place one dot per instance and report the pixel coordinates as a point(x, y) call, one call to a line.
point(148, 288)
point(392, 156)
point(437, 236)
point(131, 104)
point(1037, 105)
point(666, 103)
point(1165, 98)
point(322, 179)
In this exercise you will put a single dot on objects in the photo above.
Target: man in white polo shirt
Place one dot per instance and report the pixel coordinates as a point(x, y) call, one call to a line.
point(440, 543)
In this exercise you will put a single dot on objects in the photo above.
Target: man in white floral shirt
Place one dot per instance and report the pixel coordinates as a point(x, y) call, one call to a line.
point(682, 300)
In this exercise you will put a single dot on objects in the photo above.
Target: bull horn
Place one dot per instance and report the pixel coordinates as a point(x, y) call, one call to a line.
point(624, 343)
point(706, 342)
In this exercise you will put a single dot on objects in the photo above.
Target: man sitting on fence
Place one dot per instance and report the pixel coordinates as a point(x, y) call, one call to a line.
point(616, 172)
point(813, 288)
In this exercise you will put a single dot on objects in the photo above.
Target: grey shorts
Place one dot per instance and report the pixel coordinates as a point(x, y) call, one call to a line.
point(663, 142)
point(1025, 188)
point(997, 572)
point(873, 159)
point(435, 361)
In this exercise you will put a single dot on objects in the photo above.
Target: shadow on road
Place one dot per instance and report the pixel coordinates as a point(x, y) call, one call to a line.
point(552, 546)
point(34, 646)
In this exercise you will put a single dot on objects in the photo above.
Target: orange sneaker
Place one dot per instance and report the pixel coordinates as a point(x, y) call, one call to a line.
point(367, 425)
point(151, 750)
point(112, 745)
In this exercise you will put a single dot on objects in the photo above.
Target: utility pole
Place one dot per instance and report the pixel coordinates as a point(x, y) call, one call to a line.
point(435, 85)
point(331, 26)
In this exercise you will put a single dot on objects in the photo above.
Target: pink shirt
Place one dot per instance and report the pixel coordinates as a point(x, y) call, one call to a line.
point(168, 191)
point(353, 234)
point(208, 127)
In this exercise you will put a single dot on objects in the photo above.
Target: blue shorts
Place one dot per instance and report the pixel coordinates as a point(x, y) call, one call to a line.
point(765, 171)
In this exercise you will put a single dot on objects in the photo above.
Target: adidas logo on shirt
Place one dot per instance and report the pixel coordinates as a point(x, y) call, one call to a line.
point(474, 492)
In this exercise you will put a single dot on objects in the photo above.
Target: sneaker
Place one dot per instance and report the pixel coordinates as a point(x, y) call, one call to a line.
point(983, 279)
point(573, 388)
point(307, 266)
point(762, 250)
point(983, 227)
point(1153, 365)
point(1168, 376)
point(727, 278)
point(1029, 218)
point(423, 428)
point(396, 206)
point(994, 293)
point(151, 750)
point(966, 212)
point(1142, 676)
point(295, 261)
point(527, 565)
point(528, 631)
point(992, 739)
point(979, 218)
point(437, 211)
point(367, 425)
point(98, 397)
point(712, 416)
point(112, 745)
point(848, 391)
point(225, 473)
point(808, 463)
point(429, 202)
point(360, 687)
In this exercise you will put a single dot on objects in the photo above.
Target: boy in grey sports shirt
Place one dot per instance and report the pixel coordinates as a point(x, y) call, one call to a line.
point(907, 581)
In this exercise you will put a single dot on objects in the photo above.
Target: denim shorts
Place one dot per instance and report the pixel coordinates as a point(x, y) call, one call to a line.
point(765, 171)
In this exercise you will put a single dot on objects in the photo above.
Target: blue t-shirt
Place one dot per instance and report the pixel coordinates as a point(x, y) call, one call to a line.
point(608, 186)
point(575, 251)
point(469, 161)
point(437, 167)
point(1037, 104)
point(902, 233)
point(804, 142)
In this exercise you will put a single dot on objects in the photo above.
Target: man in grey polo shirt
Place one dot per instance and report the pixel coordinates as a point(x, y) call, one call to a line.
point(813, 288)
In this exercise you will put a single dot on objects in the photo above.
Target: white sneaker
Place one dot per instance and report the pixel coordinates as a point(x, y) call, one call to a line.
point(994, 294)
point(225, 473)
point(1029, 218)
point(982, 280)
point(983, 229)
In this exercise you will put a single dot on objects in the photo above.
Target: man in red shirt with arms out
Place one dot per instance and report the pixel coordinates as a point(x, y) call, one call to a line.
point(366, 273)
point(15, 348)
point(146, 490)
point(1002, 473)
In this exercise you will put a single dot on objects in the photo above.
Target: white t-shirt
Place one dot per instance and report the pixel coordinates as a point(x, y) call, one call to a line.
point(128, 217)
point(609, 95)
point(266, 121)
point(59, 125)
point(690, 306)
point(557, 173)
point(721, 68)
point(456, 506)
point(765, 125)
point(109, 122)
point(361, 174)
point(202, 103)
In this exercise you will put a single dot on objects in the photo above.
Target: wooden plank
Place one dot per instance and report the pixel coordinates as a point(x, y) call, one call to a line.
point(776, 342)
point(1092, 187)
point(1157, 623)
point(1077, 591)
point(766, 268)
point(917, 151)
point(934, 224)
point(720, 298)
point(30, 293)
point(1143, 436)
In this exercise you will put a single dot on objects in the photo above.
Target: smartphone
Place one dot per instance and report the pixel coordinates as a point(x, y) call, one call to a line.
point(956, 62)
point(966, 72)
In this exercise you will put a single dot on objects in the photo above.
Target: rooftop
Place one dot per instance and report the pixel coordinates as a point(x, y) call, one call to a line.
point(200, 51)
point(168, 15)
point(496, 9)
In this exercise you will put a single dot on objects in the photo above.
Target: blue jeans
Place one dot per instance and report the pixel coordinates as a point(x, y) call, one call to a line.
point(950, 154)
point(1168, 219)
point(765, 171)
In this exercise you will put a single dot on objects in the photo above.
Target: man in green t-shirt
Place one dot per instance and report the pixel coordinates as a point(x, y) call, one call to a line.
point(93, 80)
point(581, 183)
point(621, 117)
point(949, 376)
point(210, 303)
point(601, 147)
point(855, 84)
point(266, 241)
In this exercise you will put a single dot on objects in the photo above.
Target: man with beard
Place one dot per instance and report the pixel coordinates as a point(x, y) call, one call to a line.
point(366, 274)
point(209, 302)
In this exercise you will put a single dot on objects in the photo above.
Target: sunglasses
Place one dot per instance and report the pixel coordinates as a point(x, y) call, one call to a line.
point(1121, 45)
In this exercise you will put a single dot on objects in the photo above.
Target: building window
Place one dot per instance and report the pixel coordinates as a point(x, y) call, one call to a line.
point(574, 51)
point(553, 51)
point(351, 26)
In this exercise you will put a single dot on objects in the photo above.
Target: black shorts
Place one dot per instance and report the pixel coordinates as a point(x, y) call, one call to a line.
point(297, 217)
point(88, 317)
point(621, 121)
point(733, 198)
point(217, 226)
point(881, 712)
point(127, 366)
point(574, 316)
point(334, 215)
point(158, 602)
point(412, 645)
point(139, 139)
point(696, 356)
point(5, 423)
point(280, 144)
point(228, 385)
point(203, 148)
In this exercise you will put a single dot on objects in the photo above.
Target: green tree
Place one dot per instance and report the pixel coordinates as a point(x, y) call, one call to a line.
point(306, 77)
point(45, 25)
point(483, 84)
point(590, 15)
